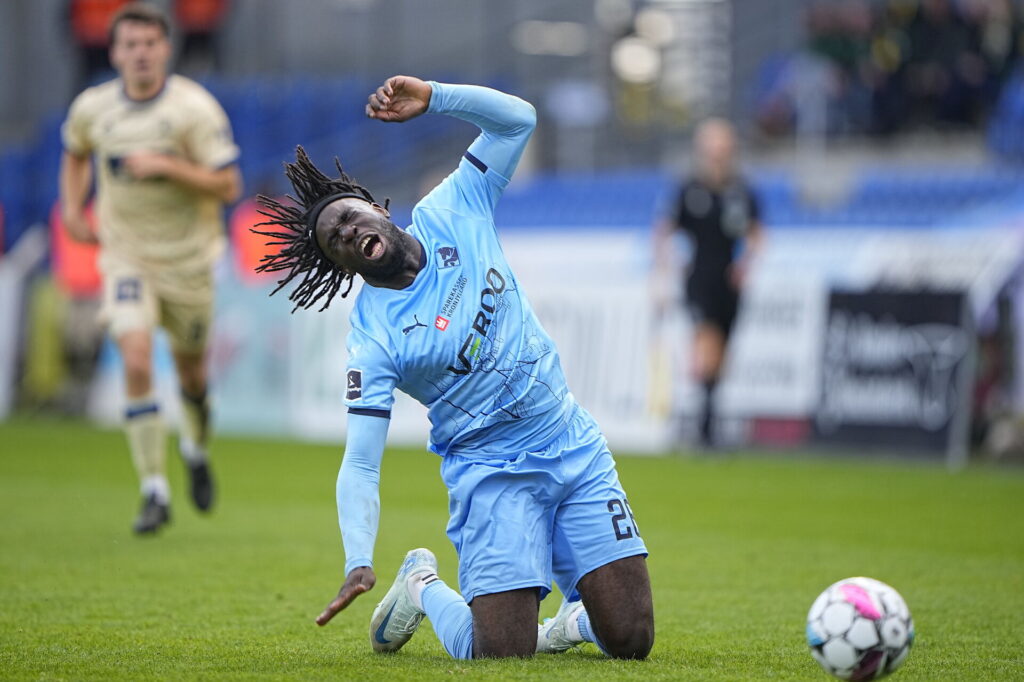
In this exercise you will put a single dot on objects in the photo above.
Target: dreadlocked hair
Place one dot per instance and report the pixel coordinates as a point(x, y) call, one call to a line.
point(298, 255)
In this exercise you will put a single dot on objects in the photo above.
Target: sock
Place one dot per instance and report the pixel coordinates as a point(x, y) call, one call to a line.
point(586, 633)
point(451, 617)
point(707, 416)
point(195, 423)
point(417, 585)
point(583, 628)
point(146, 434)
point(157, 486)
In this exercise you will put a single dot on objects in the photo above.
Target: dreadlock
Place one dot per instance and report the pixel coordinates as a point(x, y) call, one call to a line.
point(299, 254)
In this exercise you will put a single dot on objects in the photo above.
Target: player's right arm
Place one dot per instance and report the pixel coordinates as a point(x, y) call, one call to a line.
point(75, 182)
point(76, 167)
point(358, 507)
point(371, 381)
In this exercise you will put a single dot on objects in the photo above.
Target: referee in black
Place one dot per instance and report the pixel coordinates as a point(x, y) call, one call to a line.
point(718, 211)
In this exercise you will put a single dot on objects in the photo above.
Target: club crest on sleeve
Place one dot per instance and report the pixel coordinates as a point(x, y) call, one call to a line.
point(448, 257)
point(355, 385)
point(441, 323)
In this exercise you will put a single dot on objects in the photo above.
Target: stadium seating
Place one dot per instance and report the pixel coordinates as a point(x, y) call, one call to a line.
point(271, 115)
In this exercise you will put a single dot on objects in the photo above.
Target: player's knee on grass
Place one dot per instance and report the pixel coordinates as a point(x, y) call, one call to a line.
point(617, 597)
point(505, 624)
point(631, 640)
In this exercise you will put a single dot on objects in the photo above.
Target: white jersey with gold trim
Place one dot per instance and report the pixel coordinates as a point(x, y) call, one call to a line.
point(161, 225)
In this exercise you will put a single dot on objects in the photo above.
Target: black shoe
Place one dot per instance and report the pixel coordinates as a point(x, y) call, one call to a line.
point(152, 515)
point(201, 485)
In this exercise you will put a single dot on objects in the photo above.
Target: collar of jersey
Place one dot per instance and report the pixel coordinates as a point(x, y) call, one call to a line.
point(143, 102)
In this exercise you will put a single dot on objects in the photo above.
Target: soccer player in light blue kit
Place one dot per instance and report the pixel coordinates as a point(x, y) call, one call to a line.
point(533, 492)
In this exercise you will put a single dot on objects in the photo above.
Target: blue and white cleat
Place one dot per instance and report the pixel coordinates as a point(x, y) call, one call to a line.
point(562, 632)
point(396, 617)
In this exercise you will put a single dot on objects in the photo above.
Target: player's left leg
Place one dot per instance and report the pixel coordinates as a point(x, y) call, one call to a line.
point(615, 612)
point(188, 327)
point(619, 609)
point(711, 337)
point(194, 437)
point(598, 554)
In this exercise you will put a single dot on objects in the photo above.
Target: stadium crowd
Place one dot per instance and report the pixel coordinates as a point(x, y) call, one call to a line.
point(886, 66)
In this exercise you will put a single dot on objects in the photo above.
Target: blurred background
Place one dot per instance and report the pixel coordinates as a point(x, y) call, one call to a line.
point(884, 139)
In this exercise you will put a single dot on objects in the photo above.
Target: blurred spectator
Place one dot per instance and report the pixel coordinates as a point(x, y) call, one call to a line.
point(997, 39)
point(895, 65)
point(89, 23)
point(200, 23)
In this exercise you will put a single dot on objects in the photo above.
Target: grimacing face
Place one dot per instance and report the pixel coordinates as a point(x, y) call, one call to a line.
point(140, 53)
point(360, 238)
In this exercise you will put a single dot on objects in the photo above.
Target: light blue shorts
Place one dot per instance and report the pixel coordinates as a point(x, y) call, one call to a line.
point(551, 515)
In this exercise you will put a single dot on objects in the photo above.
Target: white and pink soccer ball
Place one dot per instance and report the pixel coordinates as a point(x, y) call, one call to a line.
point(860, 629)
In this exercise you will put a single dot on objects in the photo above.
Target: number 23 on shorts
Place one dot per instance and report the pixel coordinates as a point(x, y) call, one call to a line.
point(623, 522)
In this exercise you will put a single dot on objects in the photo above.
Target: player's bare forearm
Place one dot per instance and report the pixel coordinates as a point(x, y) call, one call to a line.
point(223, 183)
point(75, 180)
point(358, 581)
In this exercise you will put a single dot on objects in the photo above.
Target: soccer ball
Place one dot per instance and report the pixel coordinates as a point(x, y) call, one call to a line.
point(859, 629)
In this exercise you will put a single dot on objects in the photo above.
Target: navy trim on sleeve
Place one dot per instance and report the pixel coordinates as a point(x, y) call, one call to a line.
point(370, 412)
point(480, 165)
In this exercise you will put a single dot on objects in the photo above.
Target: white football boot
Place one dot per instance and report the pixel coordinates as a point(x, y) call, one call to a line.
point(562, 632)
point(396, 617)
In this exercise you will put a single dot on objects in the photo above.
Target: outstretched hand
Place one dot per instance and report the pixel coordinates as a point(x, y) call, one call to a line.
point(360, 580)
point(399, 99)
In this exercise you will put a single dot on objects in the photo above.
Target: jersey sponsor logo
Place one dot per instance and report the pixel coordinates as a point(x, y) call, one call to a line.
point(451, 302)
point(481, 323)
point(441, 322)
point(355, 385)
point(415, 325)
point(128, 290)
point(449, 256)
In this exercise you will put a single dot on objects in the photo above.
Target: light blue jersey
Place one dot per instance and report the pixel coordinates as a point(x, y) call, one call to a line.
point(462, 339)
point(533, 492)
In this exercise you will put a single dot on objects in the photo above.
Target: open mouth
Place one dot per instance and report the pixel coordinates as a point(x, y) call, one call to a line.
point(371, 246)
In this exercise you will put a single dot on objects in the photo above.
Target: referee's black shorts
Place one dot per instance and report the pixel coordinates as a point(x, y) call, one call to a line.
point(712, 299)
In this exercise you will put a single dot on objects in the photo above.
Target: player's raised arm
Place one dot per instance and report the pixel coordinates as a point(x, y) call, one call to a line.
point(506, 121)
point(358, 507)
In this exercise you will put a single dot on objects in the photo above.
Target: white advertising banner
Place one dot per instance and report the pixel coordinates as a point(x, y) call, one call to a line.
point(284, 374)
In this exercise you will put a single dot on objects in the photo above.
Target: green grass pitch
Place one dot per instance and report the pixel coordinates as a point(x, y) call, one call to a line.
point(740, 546)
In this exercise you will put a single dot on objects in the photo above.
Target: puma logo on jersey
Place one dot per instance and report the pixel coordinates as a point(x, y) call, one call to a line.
point(416, 323)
